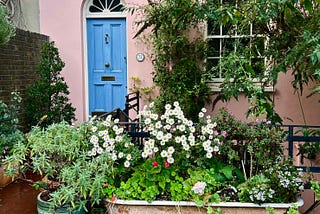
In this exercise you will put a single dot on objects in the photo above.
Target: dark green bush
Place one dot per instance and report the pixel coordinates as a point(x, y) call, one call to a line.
point(47, 100)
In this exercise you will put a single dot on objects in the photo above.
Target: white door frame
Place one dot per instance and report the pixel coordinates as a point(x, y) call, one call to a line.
point(85, 15)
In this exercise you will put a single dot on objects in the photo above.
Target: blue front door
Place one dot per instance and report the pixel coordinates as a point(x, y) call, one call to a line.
point(107, 64)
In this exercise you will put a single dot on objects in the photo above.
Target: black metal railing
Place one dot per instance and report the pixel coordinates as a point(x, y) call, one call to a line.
point(124, 115)
point(296, 137)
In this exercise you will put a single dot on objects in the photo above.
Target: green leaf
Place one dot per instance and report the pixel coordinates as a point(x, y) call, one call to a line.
point(308, 5)
point(227, 171)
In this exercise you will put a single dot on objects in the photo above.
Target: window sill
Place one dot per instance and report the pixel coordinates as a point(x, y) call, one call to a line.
point(215, 86)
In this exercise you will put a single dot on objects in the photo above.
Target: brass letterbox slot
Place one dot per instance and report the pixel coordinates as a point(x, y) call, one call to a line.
point(108, 78)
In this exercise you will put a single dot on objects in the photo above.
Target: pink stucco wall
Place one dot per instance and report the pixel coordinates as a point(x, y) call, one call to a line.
point(62, 20)
point(287, 104)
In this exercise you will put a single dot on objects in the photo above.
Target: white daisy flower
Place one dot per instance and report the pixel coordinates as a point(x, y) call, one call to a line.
point(182, 128)
point(144, 154)
point(120, 155)
point(94, 139)
point(216, 148)
point(164, 154)
point(114, 156)
point(94, 128)
point(209, 155)
point(99, 150)
point(170, 160)
point(147, 121)
point(186, 147)
point(167, 106)
point(129, 157)
point(106, 123)
point(158, 125)
point(155, 149)
point(126, 164)
point(171, 150)
point(177, 139)
point(115, 128)
point(192, 129)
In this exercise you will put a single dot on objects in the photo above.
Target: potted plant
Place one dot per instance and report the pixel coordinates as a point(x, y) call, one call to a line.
point(9, 133)
point(72, 180)
point(205, 165)
point(47, 152)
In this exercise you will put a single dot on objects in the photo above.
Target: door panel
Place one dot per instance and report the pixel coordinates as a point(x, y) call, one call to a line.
point(107, 77)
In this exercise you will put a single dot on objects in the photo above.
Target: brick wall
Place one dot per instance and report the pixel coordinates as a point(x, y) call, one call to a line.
point(18, 61)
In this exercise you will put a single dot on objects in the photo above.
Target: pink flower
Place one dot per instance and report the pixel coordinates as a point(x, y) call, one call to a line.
point(155, 164)
point(268, 122)
point(198, 188)
point(215, 132)
point(224, 134)
point(166, 164)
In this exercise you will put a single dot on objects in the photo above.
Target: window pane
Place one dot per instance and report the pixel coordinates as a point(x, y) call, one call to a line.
point(214, 47)
point(212, 66)
point(258, 66)
point(227, 46)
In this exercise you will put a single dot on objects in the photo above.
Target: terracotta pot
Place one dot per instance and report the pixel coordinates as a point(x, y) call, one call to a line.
point(4, 179)
point(170, 207)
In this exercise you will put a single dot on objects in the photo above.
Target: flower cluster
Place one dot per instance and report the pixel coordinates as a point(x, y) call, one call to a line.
point(286, 177)
point(257, 190)
point(209, 136)
point(172, 134)
point(108, 136)
point(280, 183)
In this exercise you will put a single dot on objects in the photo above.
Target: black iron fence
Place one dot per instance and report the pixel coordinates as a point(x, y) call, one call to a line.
point(297, 136)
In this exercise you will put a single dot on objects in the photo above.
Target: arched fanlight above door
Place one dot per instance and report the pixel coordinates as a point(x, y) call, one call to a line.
point(103, 8)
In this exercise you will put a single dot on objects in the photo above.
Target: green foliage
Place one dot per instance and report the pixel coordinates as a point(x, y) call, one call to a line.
point(178, 59)
point(59, 154)
point(47, 100)
point(293, 210)
point(278, 185)
point(309, 149)
point(9, 125)
point(315, 186)
point(7, 30)
point(250, 146)
point(146, 92)
point(155, 181)
point(292, 31)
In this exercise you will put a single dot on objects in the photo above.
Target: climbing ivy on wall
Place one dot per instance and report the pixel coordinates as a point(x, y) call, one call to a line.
point(178, 59)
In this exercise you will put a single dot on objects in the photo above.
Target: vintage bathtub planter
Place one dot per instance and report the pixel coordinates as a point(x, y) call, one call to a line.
point(173, 207)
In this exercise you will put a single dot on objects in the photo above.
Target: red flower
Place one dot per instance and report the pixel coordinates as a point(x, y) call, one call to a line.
point(155, 164)
point(166, 164)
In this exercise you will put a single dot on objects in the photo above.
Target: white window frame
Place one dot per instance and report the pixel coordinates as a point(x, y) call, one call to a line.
point(216, 82)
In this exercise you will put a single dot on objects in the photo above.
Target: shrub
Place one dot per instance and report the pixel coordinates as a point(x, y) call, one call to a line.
point(47, 97)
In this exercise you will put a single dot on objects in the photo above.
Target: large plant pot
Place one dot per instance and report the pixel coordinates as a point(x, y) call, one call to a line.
point(44, 207)
point(4, 179)
point(170, 207)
